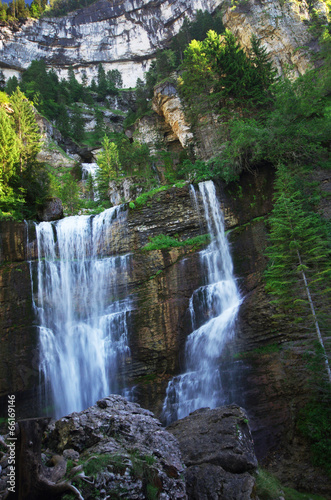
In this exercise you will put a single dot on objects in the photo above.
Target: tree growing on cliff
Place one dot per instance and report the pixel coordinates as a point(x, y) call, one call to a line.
point(299, 271)
point(109, 166)
point(26, 127)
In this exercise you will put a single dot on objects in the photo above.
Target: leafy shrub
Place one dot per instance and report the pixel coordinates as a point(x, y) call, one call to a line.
point(163, 241)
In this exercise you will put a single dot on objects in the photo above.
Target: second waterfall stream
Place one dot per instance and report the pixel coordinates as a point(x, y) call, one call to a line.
point(213, 311)
point(83, 311)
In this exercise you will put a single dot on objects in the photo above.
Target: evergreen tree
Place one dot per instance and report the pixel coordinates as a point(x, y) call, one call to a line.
point(74, 87)
point(9, 149)
point(3, 11)
point(26, 128)
point(11, 85)
point(102, 82)
point(21, 10)
point(114, 80)
point(299, 271)
point(109, 166)
point(2, 81)
point(77, 124)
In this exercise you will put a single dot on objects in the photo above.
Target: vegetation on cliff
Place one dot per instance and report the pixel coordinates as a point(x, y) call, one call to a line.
point(23, 180)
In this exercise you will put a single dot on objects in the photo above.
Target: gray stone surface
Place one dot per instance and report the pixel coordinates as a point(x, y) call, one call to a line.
point(51, 210)
point(217, 448)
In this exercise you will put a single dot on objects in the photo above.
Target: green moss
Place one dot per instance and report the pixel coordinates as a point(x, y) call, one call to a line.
point(144, 197)
point(259, 351)
point(98, 463)
point(269, 488)
point(163, 241)
point(314, 423)
point(145, 379)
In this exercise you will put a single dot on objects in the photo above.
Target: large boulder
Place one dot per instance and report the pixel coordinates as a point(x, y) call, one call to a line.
point(217, 448)
point(133, 456)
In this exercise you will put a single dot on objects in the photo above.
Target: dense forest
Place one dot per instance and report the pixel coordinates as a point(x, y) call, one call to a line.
point(261, 119)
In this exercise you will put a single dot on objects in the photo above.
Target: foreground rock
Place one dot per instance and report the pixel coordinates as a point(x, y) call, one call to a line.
point(217, 448)
point(123, 449)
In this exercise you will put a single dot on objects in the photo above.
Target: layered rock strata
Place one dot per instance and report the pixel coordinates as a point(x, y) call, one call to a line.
point(125, 34)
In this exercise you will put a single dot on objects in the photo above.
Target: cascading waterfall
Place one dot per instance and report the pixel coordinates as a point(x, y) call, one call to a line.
point(82, 323)
point(213, 310)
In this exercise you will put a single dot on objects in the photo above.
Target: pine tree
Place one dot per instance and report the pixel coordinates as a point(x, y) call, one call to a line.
point(2, 79)
point(299, 271)
point(77, 124)
point(11, 85)
point(102, 82)
point(26, 128)
point(9, 149)
point(109, 166)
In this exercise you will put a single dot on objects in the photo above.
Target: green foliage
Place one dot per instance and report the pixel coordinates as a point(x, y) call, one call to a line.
point(23, 181)
point(9, 148)
point(217, 74)
point(315, 423)
point(144, 197)
point(109, 166)
point(195, 30)
point(297, 243)
point(295, 131)
point(11, 85)
point(163, 241)
point(268, 487)
point(98, 463)
point(62, 101)
point(197, 171)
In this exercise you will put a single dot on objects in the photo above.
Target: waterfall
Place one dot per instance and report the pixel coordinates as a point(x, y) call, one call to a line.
point(213, 309)
point(83, 322)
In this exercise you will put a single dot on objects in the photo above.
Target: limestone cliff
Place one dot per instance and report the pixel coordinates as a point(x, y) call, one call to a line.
point(125, 34)
point(121, 34)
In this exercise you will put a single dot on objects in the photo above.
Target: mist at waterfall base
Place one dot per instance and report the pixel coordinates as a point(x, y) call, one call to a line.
point(83, 323)
point(213, 311)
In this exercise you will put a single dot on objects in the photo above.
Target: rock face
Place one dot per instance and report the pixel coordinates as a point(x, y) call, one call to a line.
point(268, 373)
point(217, 449)
point(119, 449)
point(282, 27)
point(168, 105)
point(125, 34)
point(122, 34)
point(51, 210)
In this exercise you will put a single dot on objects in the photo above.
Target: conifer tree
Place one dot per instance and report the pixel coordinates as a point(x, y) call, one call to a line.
point(299, 270)
point(9, 149)
point(109, 166)
point(2, 78)
point(77, 124)
point(102, 82)
point(26, 128)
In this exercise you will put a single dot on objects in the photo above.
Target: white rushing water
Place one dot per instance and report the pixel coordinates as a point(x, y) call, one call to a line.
point(83, 324)
point(213, 310)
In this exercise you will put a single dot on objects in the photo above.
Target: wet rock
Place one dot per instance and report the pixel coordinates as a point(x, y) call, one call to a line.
point(51, 210)
point(217, 448)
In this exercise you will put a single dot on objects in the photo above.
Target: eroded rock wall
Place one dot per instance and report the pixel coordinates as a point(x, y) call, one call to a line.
point(125, 34)
point(122, 34)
